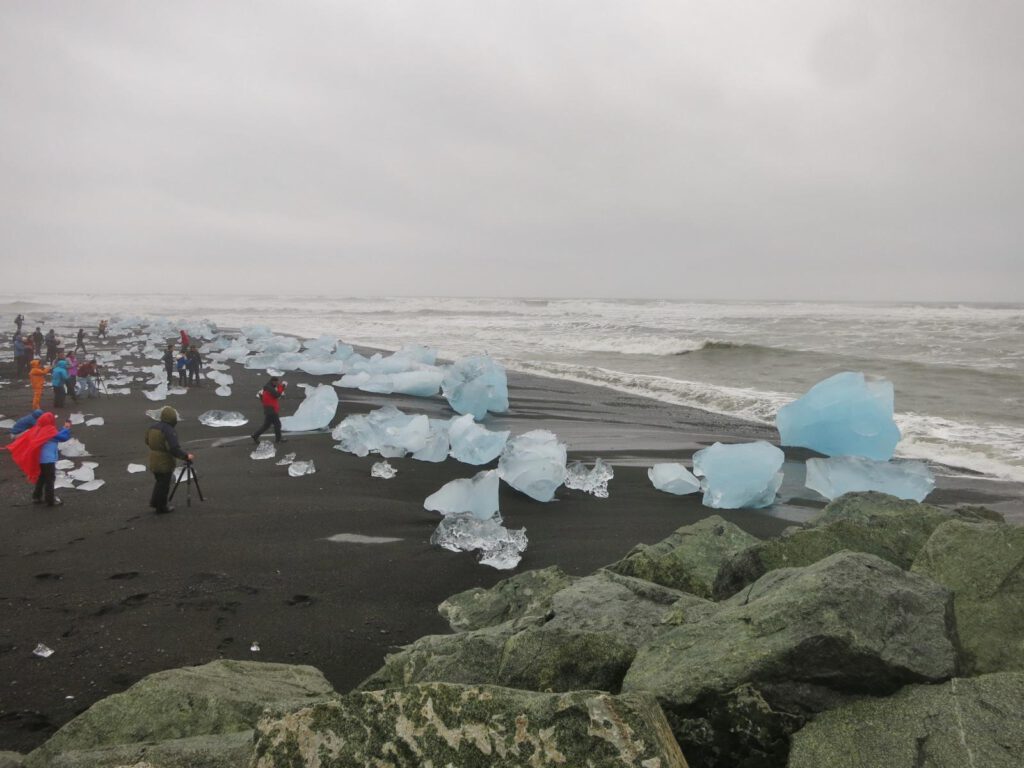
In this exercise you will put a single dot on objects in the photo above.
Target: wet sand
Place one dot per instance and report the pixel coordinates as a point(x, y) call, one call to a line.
point(119, 592)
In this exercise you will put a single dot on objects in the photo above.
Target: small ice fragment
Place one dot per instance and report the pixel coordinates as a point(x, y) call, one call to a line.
point(95, 422)
point(534, 463)
point(76, 418)
point(136, 468)
point(477, 495)
point(300, 468)
point(255, 647)
point(736, 476)
point(160, 393)
point(222, 418)
point(265, 450)
point(842, 474)
point(275, 372)
point(358, 538)
point(63, 481)
point(286, 460)
point(92, 485)
point(72, 448)
point(383, 470)
point(64, 464)
point(671, 477)
point(223, 390)
point(6, 423)
point(594, 481)
point(43, 651)
point(499, 547)
point(82, 474)
point(177, 391)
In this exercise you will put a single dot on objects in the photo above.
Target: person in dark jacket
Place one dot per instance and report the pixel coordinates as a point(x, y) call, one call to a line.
point(195, 365)
point(18, 321)
point(164, 448)
point(26, 422)
point(37, 341)
point(80, 341)
point(168, 359)
point(270, 396)
point(51, 346)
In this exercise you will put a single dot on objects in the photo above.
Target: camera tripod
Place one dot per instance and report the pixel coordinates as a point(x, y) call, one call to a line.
point(189, 475)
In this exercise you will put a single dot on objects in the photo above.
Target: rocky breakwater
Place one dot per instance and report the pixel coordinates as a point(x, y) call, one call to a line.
point(882, 633)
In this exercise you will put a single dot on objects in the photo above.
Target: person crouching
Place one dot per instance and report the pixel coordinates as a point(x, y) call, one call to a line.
point(164, 448)
point(35, 452)
point(270, 396)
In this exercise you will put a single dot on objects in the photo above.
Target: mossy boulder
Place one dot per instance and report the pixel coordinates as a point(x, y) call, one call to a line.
point(218, 698)
point(959, 724)
point(11, 759)
point(983, 564)
point(890, 528)
point(690, 558)
point(230, 750)
point(798, 637)
point(440, 724)
point(542, 659)
point(523, 594)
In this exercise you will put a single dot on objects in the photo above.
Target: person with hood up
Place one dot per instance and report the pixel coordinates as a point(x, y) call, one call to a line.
point(35, 452)
point(168, 360)
point(37, 378)
point(72, 375)
point(270, 396)
point(164, 448)
point(59, 380)
point(19, 356)
point(195, 365)
point(51, 345)
point(26, 422)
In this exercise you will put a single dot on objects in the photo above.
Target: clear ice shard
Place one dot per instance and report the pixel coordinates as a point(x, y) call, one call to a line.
point(315, 412)
point(534, 463)
point(383, 470)
point(844, 415)
point(265, 450)
point(222, 418)
point(287, 459)
point(76, 418)
point(477, 495)
point(64, 464)
point(593, 481)
point(92, 485)
point(473, 444)
point(133, 468)
point(160, 393)
point(737, 476)
point(42, 651)
point(72, 448)
point(842, 474)
point(82, 474)
point(300, 468)
point(435, 449)
point(476, 385)
point(673, 478)
point(498, 547)
point(97, 421)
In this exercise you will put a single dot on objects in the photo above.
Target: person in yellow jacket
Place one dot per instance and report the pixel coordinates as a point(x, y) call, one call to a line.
point(37, 378)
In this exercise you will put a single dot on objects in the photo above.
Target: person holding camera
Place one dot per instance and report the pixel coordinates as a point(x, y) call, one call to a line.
point(164, 448)
point(270, 396)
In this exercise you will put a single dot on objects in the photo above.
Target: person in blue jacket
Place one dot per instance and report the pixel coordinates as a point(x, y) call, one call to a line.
point(25, 422)
point(58, 381)
point(35, 452)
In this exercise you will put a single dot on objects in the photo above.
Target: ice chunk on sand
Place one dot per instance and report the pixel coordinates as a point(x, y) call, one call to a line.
point(82, 474)
point(534, 463)
point(133, 468)
point(6, 423)
point(386, 431)
point(844, 415)
point(735, 476)
point(64, 464)
point(287, 459)
point(95, 422)
point(476, 385)
point(177, 391)
point(473, 444)
point(415, 383)
point(383, 470)
point(843, 474)
point(92, 485)
point(499, 547)
point(63, 481)
point(321, 366)
point(222, 418)
point(477, 495)
point(436, 447)
point(673, 478)
point(265, 450)
point(76, 418)
point(300, 468)
point(160, 393)
point(315, 412)
point(594, 481)
point(223, 391)
point(72, 448)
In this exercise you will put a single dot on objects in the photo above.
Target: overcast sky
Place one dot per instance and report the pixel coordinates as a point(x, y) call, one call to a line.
point(715, 149)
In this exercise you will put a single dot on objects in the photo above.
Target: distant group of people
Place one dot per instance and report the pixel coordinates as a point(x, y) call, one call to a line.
point(187, 362)
point(68, 376)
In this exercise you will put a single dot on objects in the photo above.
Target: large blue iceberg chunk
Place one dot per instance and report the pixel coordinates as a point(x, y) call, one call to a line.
point(386, 431)
point(843, 474)
point(477, 495)
point(844, 415)
point(476, 385)
point(673, 478)
point(534, 464)
point(315, 412)
point(735, 476)
point(473, 444)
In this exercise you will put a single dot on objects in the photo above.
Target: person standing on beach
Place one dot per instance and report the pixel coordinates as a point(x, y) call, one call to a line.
point(18, 321)
point(195, 365)
point(51, 346)
point(37, 378)
point(270, 396)
point(86, 372)
point(168, 359)
point(35, 452)
point(59, 380)
point(80, 341)
point(37, 341)
point(164, 449)
point(101, 332)
point(19, 356)
point(72, 384)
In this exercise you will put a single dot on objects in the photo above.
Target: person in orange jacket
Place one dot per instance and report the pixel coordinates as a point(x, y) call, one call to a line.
point(37, 378)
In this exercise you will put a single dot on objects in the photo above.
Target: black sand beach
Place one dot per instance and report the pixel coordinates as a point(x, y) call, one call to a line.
point(119, 592)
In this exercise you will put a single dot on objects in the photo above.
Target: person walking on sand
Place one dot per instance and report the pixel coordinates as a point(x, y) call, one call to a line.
point(59, 381)
point(270, 396)
point(37, 378)
point(35, 452)
point(80, 341)
point(164, 449)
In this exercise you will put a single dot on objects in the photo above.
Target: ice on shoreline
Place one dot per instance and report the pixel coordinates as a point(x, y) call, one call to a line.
point(843, 474)
point(744, 475)
point(673, 478)
point(534, 463)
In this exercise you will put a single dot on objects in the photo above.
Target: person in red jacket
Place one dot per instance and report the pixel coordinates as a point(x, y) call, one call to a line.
point(270, 396)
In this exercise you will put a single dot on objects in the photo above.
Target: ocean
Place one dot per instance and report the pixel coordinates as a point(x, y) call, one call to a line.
point(958, 369)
